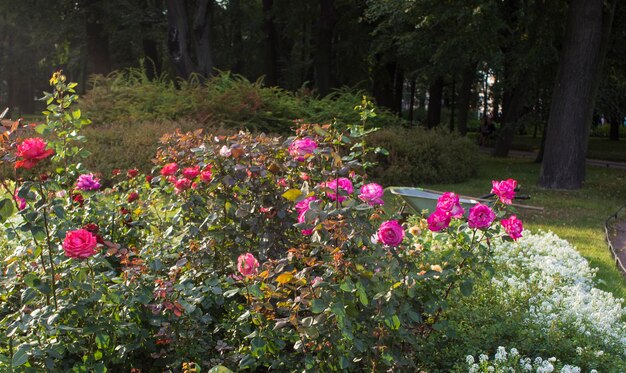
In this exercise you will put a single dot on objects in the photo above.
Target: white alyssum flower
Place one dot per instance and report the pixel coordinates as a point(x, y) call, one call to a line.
point(558, 284)
point(512, 362)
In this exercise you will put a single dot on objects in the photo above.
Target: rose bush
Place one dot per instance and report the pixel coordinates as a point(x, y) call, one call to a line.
point(241, 250)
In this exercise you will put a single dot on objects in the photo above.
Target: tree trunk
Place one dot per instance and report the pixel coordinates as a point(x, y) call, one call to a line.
point(615, 123)
point(324, 46)
point(452, 105)
point(271, 44)
point(412, 102)
point(178, 38)
point(465, 93)
point(513, 105)
point(98, 56)
point(586, 40)
point(435, 93)
point(202, 37)
point(237, 36)
point(398, 89)
point(384, 85)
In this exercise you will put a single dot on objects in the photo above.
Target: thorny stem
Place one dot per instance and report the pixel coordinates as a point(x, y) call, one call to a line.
point(49, 242)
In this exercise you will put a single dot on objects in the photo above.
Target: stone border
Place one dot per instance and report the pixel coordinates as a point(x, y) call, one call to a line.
point(618, 260)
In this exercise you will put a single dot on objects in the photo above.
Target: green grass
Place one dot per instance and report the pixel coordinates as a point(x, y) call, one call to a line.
point(599, 147)
point(577, 216)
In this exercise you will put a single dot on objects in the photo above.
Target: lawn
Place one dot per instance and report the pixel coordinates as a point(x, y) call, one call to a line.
point(577, 216)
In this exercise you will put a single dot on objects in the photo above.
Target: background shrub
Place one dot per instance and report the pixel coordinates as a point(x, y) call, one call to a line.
point(129, 97)
point(420, 156)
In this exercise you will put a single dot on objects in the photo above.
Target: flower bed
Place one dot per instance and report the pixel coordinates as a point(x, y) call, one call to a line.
point(249, 252)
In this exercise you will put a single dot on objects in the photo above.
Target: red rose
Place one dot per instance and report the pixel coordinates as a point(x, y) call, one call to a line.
point(133, 196)
point(132, 173)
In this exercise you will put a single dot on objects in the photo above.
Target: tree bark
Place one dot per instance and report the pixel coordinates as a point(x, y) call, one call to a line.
point(385, 81)
point(324, 46)
point(435, 93)
point(271, 44)
point(98, 55)
point(178, 38)
point(615, 122)
point(202, 36)
point(513, 104)
point(571, 111)
point(452, 103)
point(412, 102)
point(465, 93)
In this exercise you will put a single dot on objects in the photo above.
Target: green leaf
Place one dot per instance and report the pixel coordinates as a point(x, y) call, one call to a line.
point(76, 114)
point(360, 291)
point(467, 287)
point(97, 355)
point(102, 340)
point(6, 209)
point(258, 347)
point(292, 194)
point(21, 355)
point(42, 129)
point(318, 305)
point(220, 369)
point(393, 322)
point(347, 286)
point(230, 293)
point(38, 233)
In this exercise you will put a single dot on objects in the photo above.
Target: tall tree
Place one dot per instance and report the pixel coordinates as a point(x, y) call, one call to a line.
point(190, 47)
point(98, 53)
point(324, 46)
point(577, 81)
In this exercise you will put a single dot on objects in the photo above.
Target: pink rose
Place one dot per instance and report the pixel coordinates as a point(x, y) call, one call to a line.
point(169, 169)
point(206, 174)
point(225, 151)
point(343, 184)
point(21, 202)
point(316, 280)
point(504, 189)
point(304, 204)
point(247, 264)
point(181, 184)
point(191, 172)
point(439, 220)
point(371, 194)
point(390, 233)
point(450, 202)
point(87, 182)
point(300, 149)
point(481, 216)
point(79, 244)
point(32, 151)
point(513, 226)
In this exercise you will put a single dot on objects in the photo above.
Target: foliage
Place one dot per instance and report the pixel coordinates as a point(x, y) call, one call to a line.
point(542, 299)
point(163, 289)
point(418, 156)
point(129, 97)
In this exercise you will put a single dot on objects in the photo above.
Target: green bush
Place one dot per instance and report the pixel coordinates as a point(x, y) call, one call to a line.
point(249, 251)
point(129, 97)
point(418, 156)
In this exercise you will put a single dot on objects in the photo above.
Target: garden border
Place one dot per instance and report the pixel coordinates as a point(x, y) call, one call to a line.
point(618, 260)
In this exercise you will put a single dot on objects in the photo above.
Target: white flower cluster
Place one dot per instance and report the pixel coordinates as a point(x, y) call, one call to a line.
point(557, 283)
point(513, 362)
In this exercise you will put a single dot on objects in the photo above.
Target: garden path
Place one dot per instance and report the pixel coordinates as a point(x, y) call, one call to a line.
point(618, 240)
